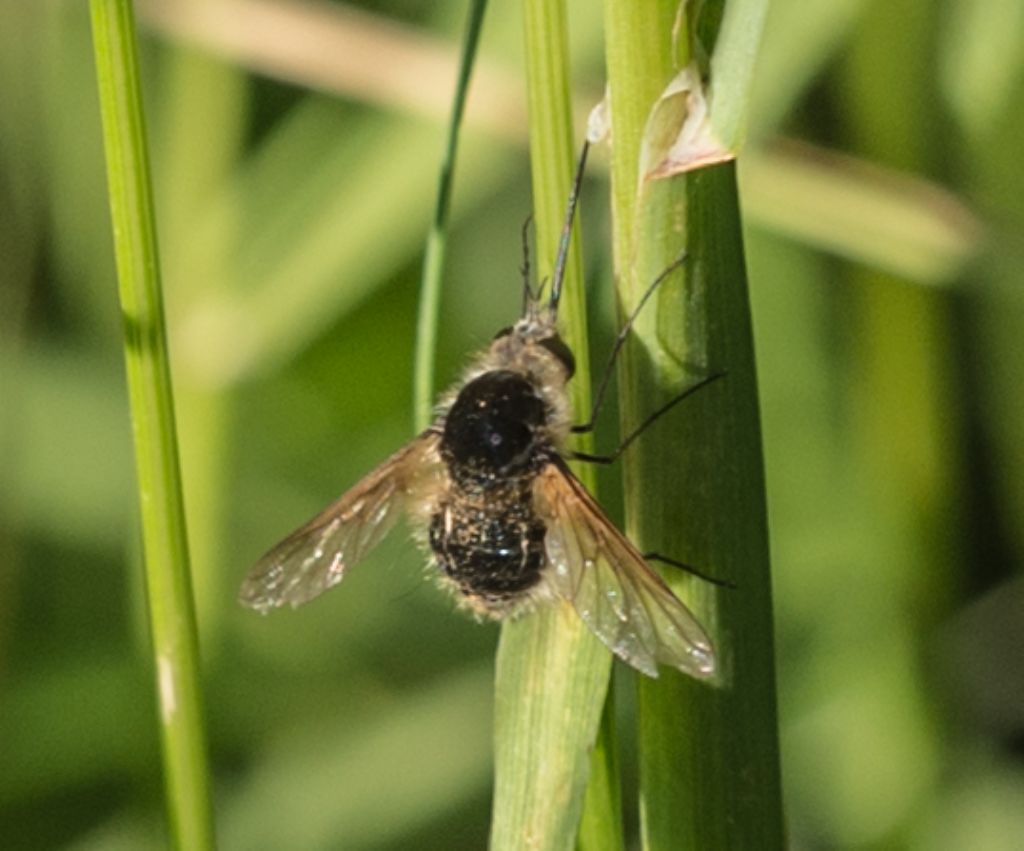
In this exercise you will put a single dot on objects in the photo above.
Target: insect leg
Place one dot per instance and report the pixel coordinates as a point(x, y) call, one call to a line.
point(620, 340)
point(721, 583)
point(640, 429)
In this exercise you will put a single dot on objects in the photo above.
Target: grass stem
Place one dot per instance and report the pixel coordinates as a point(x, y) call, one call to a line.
point(424, 388)
point(168, 583)
point(552, 674)
point(694, 485)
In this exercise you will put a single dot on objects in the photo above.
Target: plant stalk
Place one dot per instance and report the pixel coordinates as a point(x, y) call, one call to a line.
point(165, 545)
point(694, 484)
point(552, 674)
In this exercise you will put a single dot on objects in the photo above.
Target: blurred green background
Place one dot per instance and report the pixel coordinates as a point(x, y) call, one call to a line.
point(295, 150)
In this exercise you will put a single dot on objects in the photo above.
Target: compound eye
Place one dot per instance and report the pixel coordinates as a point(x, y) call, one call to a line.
point(556, 345)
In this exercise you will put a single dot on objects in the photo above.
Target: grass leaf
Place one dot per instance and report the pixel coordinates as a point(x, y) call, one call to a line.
point(437, 240)
point(168, 583)
point(552, 674)
point(694, 485)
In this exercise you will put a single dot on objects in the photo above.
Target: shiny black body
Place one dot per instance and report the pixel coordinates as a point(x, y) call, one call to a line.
point(485, 534)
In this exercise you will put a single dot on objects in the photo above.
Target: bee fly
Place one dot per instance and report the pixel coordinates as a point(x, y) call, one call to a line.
point(488, 489)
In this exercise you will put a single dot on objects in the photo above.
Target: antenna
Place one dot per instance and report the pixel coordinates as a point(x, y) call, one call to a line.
point(528, 295)
point(563, 243)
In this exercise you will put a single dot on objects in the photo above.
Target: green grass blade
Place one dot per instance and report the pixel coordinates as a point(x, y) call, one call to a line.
point(709, 769)
point(886, 219)
point(732, 69)
point(552, 674)
point(437, 240)
point(171, 612)
point(601, 823)
point(800, 40)
point(717, 750)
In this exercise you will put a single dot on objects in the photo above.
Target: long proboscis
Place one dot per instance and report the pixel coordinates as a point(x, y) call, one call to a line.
point(563, 244)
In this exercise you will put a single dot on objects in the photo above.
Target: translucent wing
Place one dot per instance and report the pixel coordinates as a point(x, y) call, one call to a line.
point(316, 557)
point(625, 604)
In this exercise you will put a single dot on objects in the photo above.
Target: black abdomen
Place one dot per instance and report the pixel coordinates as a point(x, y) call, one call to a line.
point(492, 550)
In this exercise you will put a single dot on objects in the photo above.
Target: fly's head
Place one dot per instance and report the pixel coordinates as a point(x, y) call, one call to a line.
point(533, 346)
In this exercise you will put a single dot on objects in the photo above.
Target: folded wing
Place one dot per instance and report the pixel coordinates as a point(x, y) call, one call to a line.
point(595, 567)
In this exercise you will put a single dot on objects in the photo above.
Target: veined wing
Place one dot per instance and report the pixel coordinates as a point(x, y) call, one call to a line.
point(316, 557)
point(595, 567)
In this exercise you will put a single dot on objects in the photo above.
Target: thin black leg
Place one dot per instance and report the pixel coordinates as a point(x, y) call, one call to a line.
point(620, 340)
point(721, 583)
point(671, 403)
